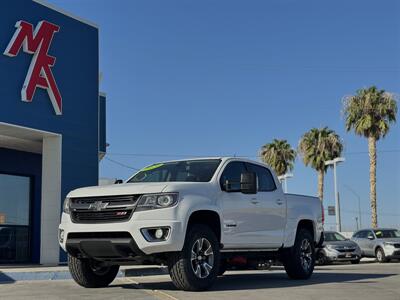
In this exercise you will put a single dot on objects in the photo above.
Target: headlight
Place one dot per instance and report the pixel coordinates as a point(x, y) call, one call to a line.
point(154, 201)
point(388, 244)
point(330, 247)
point(66, 206)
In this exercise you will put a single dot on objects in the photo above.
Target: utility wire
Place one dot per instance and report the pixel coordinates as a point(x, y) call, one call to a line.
point(249, 156)
point(121, 164)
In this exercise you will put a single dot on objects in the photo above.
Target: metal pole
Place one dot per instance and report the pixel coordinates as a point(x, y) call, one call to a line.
point(359, 211)
point(285, 184)
point(357, 223)
point(337, 204)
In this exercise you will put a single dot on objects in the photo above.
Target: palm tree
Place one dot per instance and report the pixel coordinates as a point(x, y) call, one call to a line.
point(369, 113)
point(318, 146)
point(279, 155)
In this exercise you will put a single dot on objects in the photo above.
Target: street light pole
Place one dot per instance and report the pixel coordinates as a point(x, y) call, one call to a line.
point(284, 178)
point(337, 201)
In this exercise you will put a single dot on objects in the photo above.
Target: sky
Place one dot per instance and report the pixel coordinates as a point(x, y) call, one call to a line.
point(204, 78)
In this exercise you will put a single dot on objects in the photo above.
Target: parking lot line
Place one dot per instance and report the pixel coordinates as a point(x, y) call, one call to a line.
point(156, 293)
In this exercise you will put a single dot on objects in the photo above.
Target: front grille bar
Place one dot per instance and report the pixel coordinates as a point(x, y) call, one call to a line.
point(103, 209)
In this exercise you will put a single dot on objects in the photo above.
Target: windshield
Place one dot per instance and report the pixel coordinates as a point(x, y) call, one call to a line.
point(186, 171)
point(333, 237)
point(387, 234)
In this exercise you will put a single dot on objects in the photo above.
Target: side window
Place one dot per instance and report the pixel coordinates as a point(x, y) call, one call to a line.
point(370, 234)
point(266, 181)
point(232, 173)
point(363, 234)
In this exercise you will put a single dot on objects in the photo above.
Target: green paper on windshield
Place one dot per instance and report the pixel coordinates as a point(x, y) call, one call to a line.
point(152, 167)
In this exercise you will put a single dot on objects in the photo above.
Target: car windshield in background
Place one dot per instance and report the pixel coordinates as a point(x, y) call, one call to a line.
point(333, 237)
point(186, 171)
point(387, 233)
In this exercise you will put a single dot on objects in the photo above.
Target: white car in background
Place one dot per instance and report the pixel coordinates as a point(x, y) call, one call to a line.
point(381, 243)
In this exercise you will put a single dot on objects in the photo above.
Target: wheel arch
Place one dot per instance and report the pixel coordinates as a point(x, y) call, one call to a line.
point(207, 217)
point(309, 225)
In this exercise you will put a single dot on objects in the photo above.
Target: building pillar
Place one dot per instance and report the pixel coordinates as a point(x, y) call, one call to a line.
point(51, 199)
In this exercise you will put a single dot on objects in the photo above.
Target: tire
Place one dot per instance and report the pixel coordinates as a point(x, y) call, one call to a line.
point(321, 259)
point(299, 260)
point(355, 262)
point(189, 273)
point(222, 267)
point(380, 255)
point(85, 273)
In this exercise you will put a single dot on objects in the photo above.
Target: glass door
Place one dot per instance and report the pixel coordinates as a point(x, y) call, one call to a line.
point(15, 200)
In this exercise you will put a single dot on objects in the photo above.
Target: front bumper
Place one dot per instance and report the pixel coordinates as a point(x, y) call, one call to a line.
point(333, 255)
point(392, 252)
point(101, 239)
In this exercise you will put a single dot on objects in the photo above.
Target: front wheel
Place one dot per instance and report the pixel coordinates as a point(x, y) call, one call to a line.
point(380, 255)
point(299, 260)
point(196, 267)
point(90, 274)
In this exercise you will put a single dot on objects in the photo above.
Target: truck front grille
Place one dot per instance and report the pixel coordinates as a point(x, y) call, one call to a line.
point(103, 209)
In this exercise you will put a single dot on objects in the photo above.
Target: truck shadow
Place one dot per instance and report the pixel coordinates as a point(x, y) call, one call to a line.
point(268, 280)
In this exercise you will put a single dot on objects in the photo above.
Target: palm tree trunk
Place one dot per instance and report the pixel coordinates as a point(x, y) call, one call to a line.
point(321, 185)
point(372, 179)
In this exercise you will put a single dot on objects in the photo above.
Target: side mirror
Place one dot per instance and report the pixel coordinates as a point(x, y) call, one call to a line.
point(248, 183)
point(118, 181)
point(370, 237)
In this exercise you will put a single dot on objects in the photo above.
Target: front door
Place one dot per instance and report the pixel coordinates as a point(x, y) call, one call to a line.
point(241, 218)
point(15, 198)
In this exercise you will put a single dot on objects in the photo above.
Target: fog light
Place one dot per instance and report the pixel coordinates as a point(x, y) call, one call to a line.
point(61, 235)
point(159, 233)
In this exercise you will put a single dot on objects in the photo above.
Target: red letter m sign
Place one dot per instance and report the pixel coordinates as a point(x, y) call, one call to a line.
point(37, 42)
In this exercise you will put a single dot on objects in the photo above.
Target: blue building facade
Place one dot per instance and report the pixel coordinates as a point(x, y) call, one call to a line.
point(52, 124)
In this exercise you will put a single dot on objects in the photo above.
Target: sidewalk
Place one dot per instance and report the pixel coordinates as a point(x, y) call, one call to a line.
point(9, 274)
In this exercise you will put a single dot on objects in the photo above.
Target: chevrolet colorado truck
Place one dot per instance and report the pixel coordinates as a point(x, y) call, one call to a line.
point(198, 217)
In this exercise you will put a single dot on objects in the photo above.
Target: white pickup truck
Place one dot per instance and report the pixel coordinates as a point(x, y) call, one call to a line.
point(196, 216)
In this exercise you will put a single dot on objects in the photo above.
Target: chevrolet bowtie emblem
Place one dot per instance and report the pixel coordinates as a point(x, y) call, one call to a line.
point(98, 205)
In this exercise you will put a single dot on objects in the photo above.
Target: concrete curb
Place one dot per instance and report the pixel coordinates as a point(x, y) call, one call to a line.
point(11, 276)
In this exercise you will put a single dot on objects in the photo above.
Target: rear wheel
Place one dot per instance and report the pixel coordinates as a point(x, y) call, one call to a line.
point(91, 274)
point(299, 260)
point(196, 267)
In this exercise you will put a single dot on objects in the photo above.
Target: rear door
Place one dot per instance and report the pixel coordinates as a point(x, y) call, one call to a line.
point(270, 211)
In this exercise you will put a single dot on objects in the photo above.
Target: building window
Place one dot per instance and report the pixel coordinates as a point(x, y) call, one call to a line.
point(15, 199)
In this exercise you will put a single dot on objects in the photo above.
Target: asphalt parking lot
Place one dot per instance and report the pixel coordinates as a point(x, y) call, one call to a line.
point(365, 281)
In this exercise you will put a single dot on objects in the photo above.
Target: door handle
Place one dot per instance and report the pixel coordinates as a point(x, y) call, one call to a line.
point(279, 202)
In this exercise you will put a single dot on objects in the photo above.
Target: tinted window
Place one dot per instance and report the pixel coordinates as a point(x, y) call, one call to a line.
point(363, 234)
point(333, 237)
point(387, 233)
point(188, 171)
point(232, 173)
point(266, 182)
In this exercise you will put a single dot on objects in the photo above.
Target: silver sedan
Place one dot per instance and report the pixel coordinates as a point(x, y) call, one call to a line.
point(381, 243)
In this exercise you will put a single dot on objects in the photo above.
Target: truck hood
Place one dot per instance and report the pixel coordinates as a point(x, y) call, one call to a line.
point(118, 189)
